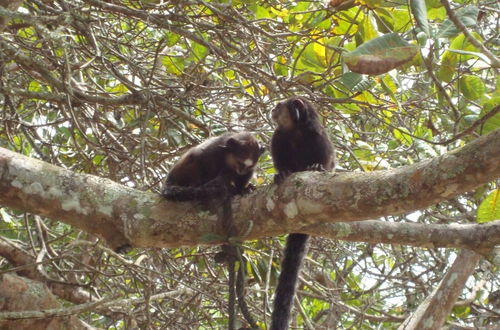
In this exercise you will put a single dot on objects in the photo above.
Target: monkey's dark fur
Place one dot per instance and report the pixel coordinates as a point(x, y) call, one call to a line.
point(219, 166)
point(299, 143)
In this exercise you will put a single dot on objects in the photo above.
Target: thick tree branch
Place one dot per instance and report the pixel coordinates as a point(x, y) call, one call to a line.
point(303, 203)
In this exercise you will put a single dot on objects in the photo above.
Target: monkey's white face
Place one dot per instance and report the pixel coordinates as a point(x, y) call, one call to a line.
point(244, 167)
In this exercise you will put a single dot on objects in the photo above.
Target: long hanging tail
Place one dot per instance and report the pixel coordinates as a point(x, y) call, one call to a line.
point(295, 250)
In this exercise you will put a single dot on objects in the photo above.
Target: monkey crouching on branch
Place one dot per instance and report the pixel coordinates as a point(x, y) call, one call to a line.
point(299, 143)
point(220, 164)
point(218, 169)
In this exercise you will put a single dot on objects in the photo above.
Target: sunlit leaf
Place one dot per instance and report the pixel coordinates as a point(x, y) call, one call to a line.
point(368, 30)
point(173, 64)
point(489, 209)
point(172, 38)
point(436, 14)
point(119, 89)
point(199, 50)
point(310, 61)
point(402, 20)
point(320, 51)
point(34, 86)
point(260, 11)
point(401, 134)
point(380, 55)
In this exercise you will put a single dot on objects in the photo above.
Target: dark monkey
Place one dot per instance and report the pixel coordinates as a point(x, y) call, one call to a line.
point(299, 143)
point(220, 164)
point(218, 169)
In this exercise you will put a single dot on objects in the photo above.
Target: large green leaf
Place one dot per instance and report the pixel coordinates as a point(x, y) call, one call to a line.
point(380, 55)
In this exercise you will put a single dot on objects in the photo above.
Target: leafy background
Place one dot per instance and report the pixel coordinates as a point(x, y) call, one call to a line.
point(120, 89)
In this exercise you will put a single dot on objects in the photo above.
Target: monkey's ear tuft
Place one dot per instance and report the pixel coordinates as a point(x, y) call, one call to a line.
point(298, 110)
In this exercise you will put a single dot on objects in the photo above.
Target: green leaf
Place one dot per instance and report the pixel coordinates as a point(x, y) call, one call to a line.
point(433, 3)
point(448, 67)
point(260, 12)
point(119, 89)
point(401, 135)
point(354, 82)
point(402, 20)
point(172, 38)
point(472, 87)
point(309, 59)
point(489, 210)
point(450, 58)
point(384, 19)
point(34, 86)
point(419, 11)
point(173, 64)
point(380, 55)
point(199, 50)
point(368, 30)
point(467, 15)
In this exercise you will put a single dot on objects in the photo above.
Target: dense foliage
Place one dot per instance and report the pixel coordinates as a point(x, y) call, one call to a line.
point(120, 89)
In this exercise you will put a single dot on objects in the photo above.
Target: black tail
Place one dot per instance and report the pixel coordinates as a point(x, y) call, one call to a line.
point(182, 193)
point(295, 250)
point(217, 188)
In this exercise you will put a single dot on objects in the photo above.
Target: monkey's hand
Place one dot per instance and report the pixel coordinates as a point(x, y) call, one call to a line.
point(316, 167)
point(248, 189)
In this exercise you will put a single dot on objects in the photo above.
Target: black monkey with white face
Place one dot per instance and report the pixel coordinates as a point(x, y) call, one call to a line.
point(299, 143)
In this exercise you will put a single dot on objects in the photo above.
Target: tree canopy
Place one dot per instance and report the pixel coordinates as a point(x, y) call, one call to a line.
point(112, 93)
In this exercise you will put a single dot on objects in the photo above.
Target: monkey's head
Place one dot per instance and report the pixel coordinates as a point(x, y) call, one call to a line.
point(293, 112)
point(242, 153)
